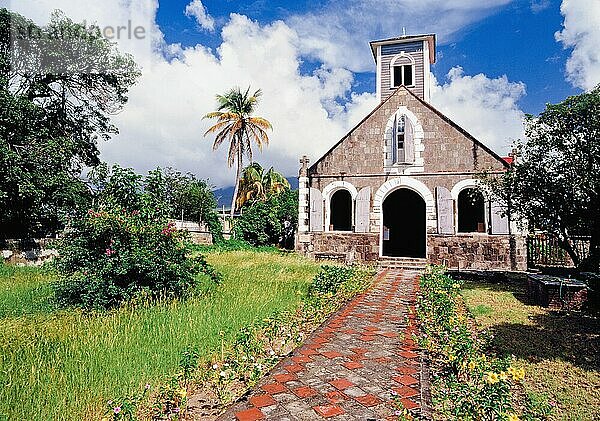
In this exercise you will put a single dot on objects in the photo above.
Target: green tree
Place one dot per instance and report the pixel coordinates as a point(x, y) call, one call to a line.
point(184, 194)
point(169, 192)
point(269, 208)
point(236, 125)
point(269, 222)
point(258, 184)
point(57, 96)
point(555, 182)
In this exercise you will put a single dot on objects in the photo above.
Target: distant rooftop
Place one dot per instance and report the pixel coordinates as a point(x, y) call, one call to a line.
point(430, 38)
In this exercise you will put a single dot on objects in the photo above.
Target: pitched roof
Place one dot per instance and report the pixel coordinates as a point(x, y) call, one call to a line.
point(430, 38)
point(432, 108)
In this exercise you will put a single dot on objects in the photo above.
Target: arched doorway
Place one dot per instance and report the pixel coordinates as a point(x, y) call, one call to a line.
point(471, 211)
point(341, 211)
point(404, 224)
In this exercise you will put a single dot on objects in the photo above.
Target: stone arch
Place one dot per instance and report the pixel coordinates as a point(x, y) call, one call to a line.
point(328, 193)
point(461, 186)
point(405, 182)
point(408, 183)
point(464, 184)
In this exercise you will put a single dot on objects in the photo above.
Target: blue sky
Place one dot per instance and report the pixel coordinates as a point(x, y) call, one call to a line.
point(516, 40)
point(497, 60)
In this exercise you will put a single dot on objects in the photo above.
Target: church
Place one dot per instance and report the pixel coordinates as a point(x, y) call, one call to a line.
point(401, 188)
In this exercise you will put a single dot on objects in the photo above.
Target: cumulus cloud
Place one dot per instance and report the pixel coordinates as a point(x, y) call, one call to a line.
point(337, 35)
point(581, 34)
point(197, 10)
point(487, 108)
point(162, 123)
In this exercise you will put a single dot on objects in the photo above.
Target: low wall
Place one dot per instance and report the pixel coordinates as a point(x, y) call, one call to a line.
point(30, 252)
point(478, 251)
point(354, 247)
point(199, 233)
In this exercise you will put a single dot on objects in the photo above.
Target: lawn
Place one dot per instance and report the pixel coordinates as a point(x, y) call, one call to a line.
point(560, 352)
point(64, 364)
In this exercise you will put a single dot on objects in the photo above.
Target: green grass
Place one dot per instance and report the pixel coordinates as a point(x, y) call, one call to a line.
point(24, 290)
point(560, 352)
point(66, 364)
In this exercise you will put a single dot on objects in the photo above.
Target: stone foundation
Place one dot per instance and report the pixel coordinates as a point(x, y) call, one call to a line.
point(478, 251)
point(351, 247)
point(463, 251)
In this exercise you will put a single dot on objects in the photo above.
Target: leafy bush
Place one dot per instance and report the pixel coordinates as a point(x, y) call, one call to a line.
point(111, 256)
point(269, 222)
point(330, 278)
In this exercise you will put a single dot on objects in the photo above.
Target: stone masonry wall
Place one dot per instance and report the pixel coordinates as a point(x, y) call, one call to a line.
point(361, 248)
point(463, 251)
point(478, 251)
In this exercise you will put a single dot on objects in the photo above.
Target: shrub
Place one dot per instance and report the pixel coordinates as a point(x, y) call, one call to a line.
point(330, 278)
point(110, 256)
point(269, 222)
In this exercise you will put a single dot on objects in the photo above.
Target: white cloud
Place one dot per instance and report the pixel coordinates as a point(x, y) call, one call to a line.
point(581, 33)
point(487, 108)
point(538, 6)
point(162, 123)
point(197, 10)
point(338, 34)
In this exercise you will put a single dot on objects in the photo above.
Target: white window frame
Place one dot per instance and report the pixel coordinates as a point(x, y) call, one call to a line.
point(393, 64)
point(328, 192)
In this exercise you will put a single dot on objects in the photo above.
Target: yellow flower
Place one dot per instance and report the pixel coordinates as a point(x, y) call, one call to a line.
point(182, 393)
point(472, 365)
point(451, 357)
point(492, 378)
point(513, 417)
point(456, 286)
point(503, 376)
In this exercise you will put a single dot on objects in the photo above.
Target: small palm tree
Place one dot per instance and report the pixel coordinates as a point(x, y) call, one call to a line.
point(256, 184)
point(236, 124)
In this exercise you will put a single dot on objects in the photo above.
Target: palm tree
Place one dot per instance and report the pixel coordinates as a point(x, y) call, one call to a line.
point(236, 125)
point(256, 184)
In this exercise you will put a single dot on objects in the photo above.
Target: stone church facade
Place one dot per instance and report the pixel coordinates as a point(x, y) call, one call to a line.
point(402, 185)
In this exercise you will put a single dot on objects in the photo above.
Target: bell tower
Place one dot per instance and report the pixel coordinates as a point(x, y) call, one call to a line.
point(404, 61)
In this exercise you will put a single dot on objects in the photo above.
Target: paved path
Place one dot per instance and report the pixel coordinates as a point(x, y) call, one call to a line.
point(349, 367)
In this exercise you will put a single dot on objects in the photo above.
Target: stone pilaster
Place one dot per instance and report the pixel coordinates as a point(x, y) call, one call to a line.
point(303, 199)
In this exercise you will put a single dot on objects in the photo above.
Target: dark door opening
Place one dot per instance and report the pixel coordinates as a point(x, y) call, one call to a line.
point(404, 225)
point(471, 211)
point(341, 211)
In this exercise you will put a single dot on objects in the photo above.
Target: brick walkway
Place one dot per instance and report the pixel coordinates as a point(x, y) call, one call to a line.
point(348, 368)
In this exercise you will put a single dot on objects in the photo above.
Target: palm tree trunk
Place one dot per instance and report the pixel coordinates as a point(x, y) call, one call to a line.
point(238, 173)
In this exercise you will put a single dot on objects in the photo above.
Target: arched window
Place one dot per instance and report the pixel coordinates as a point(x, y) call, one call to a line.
point(402, 71)
point(471, 211)
point(341, 211)
point(402, 148)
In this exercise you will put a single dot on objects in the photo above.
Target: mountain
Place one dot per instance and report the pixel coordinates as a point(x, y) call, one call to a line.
point(225, 194)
